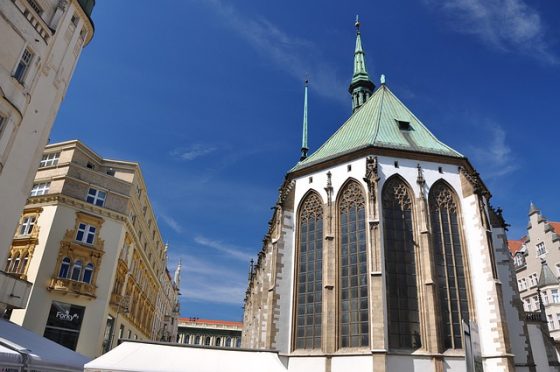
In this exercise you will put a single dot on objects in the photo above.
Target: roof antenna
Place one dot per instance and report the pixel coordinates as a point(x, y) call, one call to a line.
point(304, 147)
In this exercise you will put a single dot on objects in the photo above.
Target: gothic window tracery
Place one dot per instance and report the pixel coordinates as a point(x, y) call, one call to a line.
point(400, 265)
point(309, 274)
point(450, 266)
point(353, 277)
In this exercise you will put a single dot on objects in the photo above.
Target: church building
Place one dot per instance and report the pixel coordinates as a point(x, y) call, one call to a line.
point(384, 254)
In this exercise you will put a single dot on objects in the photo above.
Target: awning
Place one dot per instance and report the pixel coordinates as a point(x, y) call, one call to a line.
point(156, 357)
point(36, 351)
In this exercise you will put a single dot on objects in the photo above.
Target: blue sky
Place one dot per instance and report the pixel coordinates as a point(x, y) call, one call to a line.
point(207, 96)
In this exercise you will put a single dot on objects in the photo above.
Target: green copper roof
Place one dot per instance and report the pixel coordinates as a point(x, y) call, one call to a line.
point(376, 124)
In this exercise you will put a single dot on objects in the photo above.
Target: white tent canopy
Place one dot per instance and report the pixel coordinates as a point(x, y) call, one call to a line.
point(21, 348)
point(152, 357)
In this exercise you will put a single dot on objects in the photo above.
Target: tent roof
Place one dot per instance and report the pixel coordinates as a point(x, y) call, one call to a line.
point(154, 357)
point(43, 353)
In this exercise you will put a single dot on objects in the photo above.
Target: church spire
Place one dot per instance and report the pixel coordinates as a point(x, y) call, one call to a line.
point(361, 87)
point(304, 147)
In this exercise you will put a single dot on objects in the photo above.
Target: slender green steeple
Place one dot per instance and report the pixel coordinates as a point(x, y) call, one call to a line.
point(361, 87)
point(304, 147)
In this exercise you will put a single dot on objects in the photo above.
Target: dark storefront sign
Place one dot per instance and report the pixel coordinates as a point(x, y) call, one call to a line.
point(64, 323)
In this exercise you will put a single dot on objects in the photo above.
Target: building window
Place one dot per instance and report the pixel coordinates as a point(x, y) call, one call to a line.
point(76, 271)
point(228, 342)
point(40, 188)
point(554, 296)
point(27, 224)
point(550, 321)
point(519, 260)
point(197, 340)
point(526, 305)
point(35, 7)
point(64, 268)
point(23, 65)
point(450, 269)
point(540, 249)
point(400, 266)
point(86, 233)
point(218, 341)
point(533, 281)
point(353, 282)
point(88, 273)
point(536, 304)
point(522, 284)
point(49, 159)
point(309, 274)
point(207, 341)
point(96, 197)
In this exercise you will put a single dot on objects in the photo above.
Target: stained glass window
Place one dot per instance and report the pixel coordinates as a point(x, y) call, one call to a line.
point(400, 266)
point(353, 293)
point(450, 269)
point(309, 274)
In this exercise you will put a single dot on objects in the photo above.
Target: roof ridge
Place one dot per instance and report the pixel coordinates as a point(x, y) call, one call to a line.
point(382, 88)
point(420, 121)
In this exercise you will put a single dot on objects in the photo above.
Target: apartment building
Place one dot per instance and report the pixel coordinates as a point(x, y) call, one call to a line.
point(89, 243)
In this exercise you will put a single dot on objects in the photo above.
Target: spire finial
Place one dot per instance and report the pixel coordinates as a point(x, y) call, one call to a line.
point(382, 79)
point(304, 147)
point(361, 87)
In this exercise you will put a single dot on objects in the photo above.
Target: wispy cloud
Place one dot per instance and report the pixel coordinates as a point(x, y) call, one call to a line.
point(209, 281)
point(192, 152)
point(298, 57)
point(231, 250)
point(507, 25)
point(496, 157)
point(171, 222)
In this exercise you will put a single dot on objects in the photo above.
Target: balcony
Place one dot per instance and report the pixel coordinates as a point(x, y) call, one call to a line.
point(71, 286)
point(14, 292)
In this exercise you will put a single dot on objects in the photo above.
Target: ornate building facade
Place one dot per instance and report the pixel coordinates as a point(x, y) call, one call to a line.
point(41, 42)
point(536, 259)
point(89, 242)
point(205, 332)
point(384, 254)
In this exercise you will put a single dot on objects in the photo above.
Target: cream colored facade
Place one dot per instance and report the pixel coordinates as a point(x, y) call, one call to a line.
point(537, 264)
point(88, 240)
point(41, 41)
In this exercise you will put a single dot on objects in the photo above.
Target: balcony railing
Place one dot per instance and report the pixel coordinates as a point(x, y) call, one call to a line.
point(71, 286)
point(534, 316)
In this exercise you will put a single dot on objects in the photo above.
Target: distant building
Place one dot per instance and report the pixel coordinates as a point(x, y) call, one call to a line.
point(41, 41)
point(89, 242)
point(536, 258)
point(204, 332)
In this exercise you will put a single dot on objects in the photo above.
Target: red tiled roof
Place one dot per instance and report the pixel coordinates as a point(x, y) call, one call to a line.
point(556, 227)
point(211, 321)
point(515, 245)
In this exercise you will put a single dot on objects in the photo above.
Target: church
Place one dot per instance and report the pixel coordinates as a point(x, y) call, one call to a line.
point(384, 254)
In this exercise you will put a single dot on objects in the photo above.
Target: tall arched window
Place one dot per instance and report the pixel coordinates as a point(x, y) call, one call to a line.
point(8, 264)
point(16, 265)
point(450, 269)
point(218, 341)
point(76, 270)
point(88, 272)
point(400, 266)
point(309, 277)
point(353, 281)
point(197, 340)
point(64, 268)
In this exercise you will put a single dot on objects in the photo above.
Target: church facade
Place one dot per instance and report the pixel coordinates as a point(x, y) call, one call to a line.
point(384, 254)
